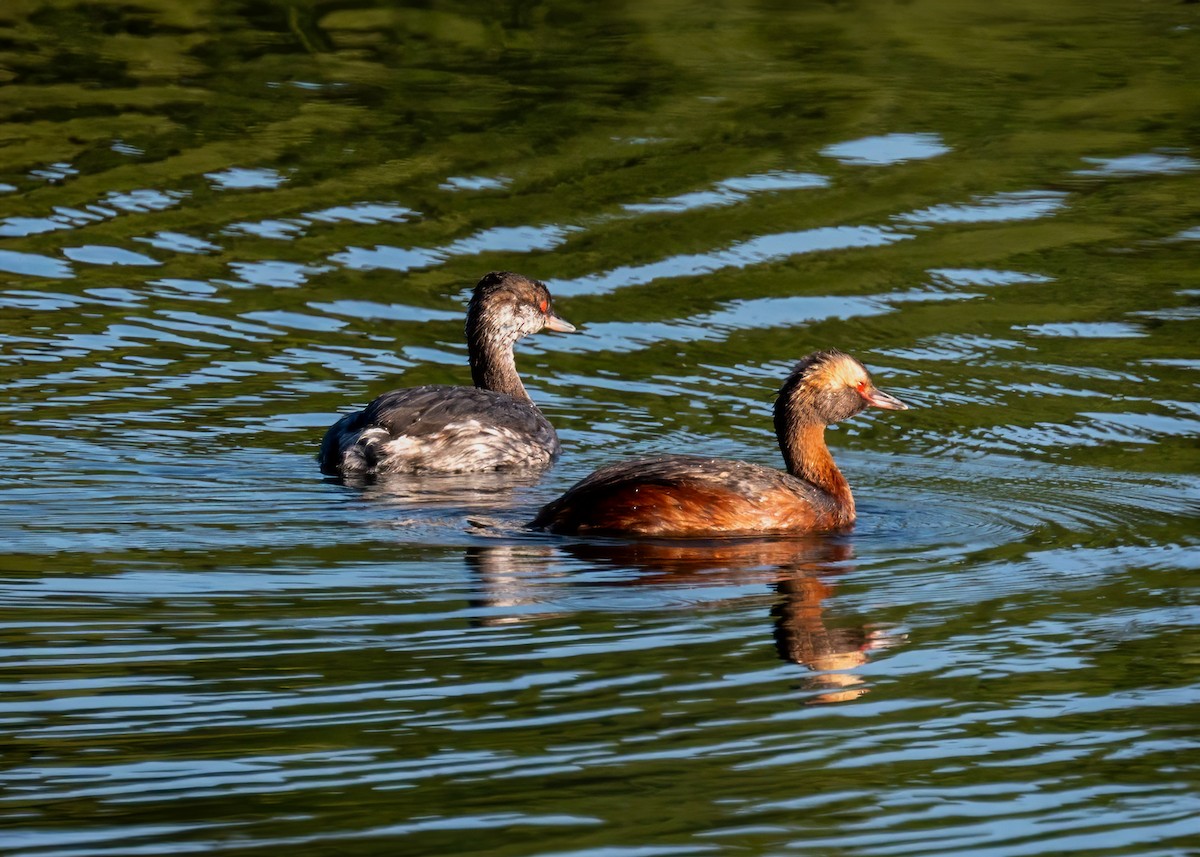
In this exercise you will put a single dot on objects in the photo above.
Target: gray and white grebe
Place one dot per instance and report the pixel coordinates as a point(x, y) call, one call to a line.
point(444, 429)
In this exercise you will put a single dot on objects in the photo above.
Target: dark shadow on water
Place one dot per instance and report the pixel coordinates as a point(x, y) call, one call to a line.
point(802, 572)
point(437, 509)
point(470, 492)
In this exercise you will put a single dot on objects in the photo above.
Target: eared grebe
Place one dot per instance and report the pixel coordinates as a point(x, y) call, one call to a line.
point(491, 426)
point(681, 496)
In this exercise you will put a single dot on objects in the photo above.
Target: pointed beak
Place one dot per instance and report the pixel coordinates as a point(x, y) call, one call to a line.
point(876, 398)
point(553, 322)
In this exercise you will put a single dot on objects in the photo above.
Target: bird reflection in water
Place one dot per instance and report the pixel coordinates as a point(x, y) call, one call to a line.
point(802, 636)
point(801, 571)
point(444, 500)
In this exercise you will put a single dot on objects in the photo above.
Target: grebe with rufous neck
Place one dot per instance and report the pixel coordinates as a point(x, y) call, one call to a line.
point(682, 496)
point(436, 428)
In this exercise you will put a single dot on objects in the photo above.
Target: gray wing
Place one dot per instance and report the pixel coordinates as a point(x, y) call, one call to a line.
point(689, 469)
point(435, 411)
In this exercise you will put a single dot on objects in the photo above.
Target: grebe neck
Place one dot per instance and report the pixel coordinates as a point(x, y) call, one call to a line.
point(493, 366)
point(808, 458)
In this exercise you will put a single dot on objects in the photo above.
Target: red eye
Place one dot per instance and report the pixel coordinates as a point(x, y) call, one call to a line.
point(545, 305)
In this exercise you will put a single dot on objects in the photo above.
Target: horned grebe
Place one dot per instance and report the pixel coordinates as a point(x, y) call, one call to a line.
point(437, 428)
point(681, 496)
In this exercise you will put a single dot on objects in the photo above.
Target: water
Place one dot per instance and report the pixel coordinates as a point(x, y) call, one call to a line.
point(222, 225)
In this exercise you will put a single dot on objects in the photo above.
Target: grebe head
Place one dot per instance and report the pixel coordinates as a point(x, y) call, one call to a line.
point(507, 306)
point(830, 386)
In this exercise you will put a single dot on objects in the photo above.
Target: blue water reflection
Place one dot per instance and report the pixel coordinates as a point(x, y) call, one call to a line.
point(223, 227)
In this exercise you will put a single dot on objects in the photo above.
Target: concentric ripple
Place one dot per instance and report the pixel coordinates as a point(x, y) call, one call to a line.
point(224, 226)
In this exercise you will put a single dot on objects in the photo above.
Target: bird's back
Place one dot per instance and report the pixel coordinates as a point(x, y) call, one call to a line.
point(439, 429)
point(680, 496)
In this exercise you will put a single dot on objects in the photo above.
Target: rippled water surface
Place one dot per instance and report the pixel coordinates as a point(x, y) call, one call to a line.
point(222, 225)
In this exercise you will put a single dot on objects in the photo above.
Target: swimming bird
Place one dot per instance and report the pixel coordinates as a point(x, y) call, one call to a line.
point(438, 428)
point(682, 496)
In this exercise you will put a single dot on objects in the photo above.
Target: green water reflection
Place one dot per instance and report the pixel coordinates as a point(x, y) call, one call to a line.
point(222, 224)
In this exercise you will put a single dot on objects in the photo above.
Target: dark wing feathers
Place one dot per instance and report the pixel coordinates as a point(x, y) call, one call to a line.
point(423, 413)
point(669, 483)
point(419, 411)
point(733, 475)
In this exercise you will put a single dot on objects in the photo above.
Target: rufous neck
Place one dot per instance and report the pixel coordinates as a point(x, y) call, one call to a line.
point(808, 458)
